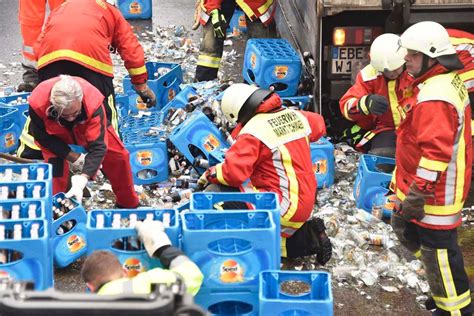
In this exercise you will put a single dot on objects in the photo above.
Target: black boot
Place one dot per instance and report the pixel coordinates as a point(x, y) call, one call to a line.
point(324, 251)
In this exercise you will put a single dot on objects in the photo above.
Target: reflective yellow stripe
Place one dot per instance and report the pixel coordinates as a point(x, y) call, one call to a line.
point(247, 10)
point(461, 168)
point(363, 106)
point(285, 222)
point(262, 9)
point(444, 210)
point(472, 127)
point(137, 71)
point(453, 304)
point(293, 185)
point(417, 254)
point(433, 164)
point(467, 75)
point(220, 175)
point(460, 40)
point(392, 95)
point(113, 112)
point(26, 138)
point(76, 56)
point(283, 247)
point(209, 61)
point(347, 106)
point(445, 270)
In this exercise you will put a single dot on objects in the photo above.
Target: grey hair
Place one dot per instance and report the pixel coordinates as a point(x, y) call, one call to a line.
point(64, 92)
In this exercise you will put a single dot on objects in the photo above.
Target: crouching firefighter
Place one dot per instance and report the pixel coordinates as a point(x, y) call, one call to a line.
point(272, 149)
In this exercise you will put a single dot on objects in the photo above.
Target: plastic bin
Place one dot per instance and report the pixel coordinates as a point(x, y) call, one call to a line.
point(29, 259)
point(373, 176)
point(136, 9)
point(181, 99)
point(71, 245)
point(322, 157)
point(117, 240)
point(165, 86)
point(274, 300)
point(135, 121)
point(10, 128)
point(35, 172)
point(24, 207)
point(272, 63)
point(20, 102)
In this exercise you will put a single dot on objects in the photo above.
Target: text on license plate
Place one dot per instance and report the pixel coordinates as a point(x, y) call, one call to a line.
point(343, 58)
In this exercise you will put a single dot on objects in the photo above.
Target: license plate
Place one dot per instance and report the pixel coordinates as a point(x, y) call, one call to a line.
point(344, 58)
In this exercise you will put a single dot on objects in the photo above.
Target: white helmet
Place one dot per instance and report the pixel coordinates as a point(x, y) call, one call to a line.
point(240, 101)
point(386, 54)
point(431, 39)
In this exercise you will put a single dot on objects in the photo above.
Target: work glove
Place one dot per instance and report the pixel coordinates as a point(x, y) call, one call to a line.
point(153, 236)
point(78, 183)
point(373, 104)
point(146, 94)
point(203, 182)
point(218, 23)
point(78, 164)
point(413, 205)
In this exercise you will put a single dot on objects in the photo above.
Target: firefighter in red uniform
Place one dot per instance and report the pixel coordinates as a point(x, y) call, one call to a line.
point(68, 111)
point(272, 149)
point(31, 15)
point(77, 40)
point(215, 15)
point(372, 102)
point(433, 164)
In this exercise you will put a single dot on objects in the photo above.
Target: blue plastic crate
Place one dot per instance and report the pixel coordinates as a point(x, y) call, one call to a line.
point(133, 121)
point(24, 208)
point(300, 100)
point(70, 246)
point(237, 24)
point(384, 201)
point(199, 135)
point(121, 104)
point(373, 176)
point(165, 87)
point(104, 238)
point(32, 171)
point(317, 301)
point(34, 262)
point(322, 157)
point(136, 9)
point(10, 128)
point(272, 63)
point(181, 99)
point(19, 101)
point(229, 303)
point(29, 186)
point(230, 248)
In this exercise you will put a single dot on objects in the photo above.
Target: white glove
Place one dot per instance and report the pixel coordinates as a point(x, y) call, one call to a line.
point(77, 165)
point(153, 236)
point(78, 183)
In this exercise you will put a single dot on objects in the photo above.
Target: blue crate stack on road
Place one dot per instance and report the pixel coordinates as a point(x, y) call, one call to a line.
point(20, 102)
point(26, 223)
point(10, 128)
point(163, 78)
point(373, 178)
point(272, 63)
point(136, 9)
point(274, 300)
point(322, 157)
point(110, 230)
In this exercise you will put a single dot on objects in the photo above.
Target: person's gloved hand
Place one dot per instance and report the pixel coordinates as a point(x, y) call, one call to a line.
point(78, 164)
point(146, 94)
point(78, 183)
point(373, 104)
point(413, 205)
point(203, 182)
point(153, 236)
point(218, 23)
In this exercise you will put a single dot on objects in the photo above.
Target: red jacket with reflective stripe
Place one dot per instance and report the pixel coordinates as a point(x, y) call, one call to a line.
point(374, 83)
point(250, 158)
point(463, 42)
point(253, 5)
point(83, 31)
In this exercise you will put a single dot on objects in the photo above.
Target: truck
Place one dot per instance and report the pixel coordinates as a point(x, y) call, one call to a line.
point(333, 38)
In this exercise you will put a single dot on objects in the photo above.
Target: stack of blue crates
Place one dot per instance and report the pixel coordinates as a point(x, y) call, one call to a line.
point(272, 63)
point(71, 245)
point(10, 128)
point(322, 157)
point(165, 86)
point(120, 240)
point(26, 255)
point(136, 9)
point(20, 102)
point(373, 178)
point(275, 301)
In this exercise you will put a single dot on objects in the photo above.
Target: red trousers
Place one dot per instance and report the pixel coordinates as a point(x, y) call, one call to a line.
point(116, 166)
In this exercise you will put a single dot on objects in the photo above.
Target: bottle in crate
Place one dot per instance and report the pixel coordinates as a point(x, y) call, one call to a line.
point(11, 126)
point(25, 252)
point(136, 9)
point(69, 237)
point(114, 230)
point(272, 64)
point(25, 172)
point(322, 157)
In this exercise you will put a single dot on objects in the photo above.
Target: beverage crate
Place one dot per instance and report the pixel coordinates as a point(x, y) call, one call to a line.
point(163, 78)
point(301, 101)
point(17, 209)
point(136, 9)
point(20, 102)
point(27, 258)
point(237, 24)
point(10, 128)
point(123, 241)
point(272, 63)
point(275, 301)
point(322, 157)
point(25, 172)
point(133, 121)
point(181, 99)
point(69, 237)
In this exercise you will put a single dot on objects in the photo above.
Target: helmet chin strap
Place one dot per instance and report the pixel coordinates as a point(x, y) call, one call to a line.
point(424, 66)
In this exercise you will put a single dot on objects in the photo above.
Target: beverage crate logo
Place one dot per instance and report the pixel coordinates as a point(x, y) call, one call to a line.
point(231, 272)
point(135, 8)
point(140, 104)
point(320, 166)
point(281, 71)
point(253, 60)
point(75, 243)
point(171, 94)
point(211, 143)
point(133, 266)
point(9, 140)
point(242, 21)
point(145, 158)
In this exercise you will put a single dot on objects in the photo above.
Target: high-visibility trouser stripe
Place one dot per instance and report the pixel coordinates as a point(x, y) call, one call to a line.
point(220, 175)
point(267, 15)
point(349, 105)
point(283, 246)
point(209, 61)
point(452, 302)
point(441, 211)
point(26, 138)
point(264, 8)
point(113, 111)
point(137, 71)
point(392, 95)
point(247, 10)
point(293, 183)
point(76, 56)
